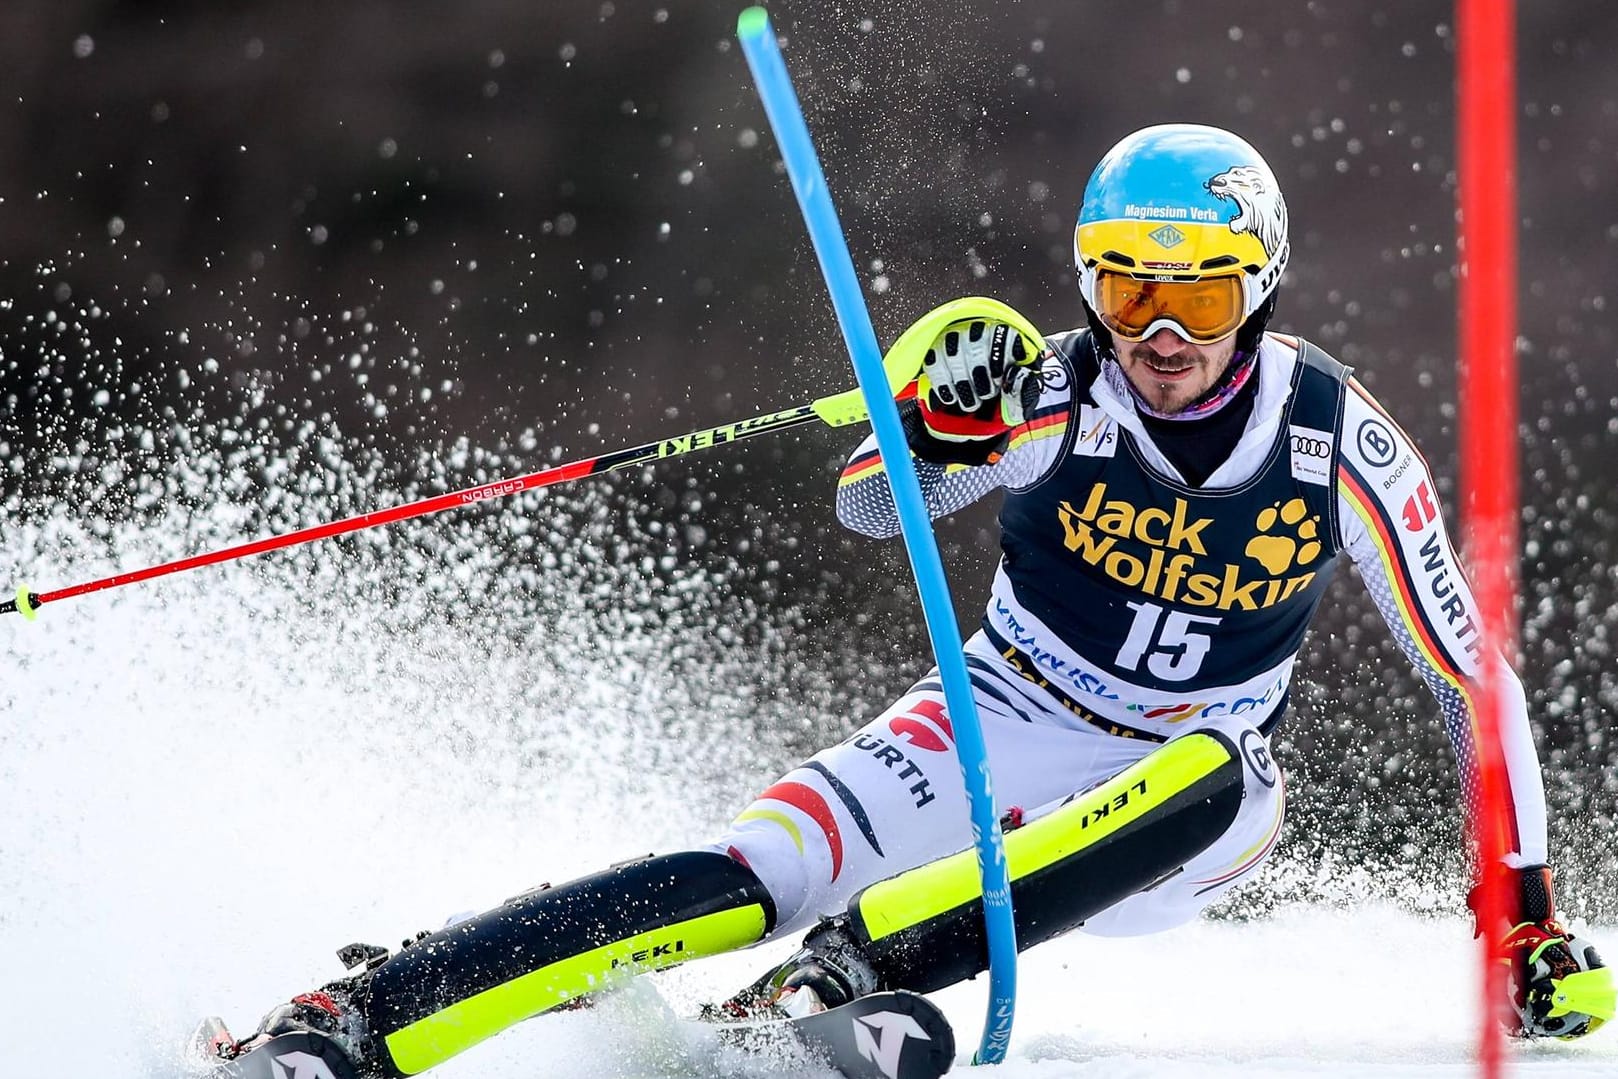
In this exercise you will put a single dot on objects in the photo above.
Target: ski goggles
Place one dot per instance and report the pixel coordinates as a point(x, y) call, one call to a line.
point(1203, 311)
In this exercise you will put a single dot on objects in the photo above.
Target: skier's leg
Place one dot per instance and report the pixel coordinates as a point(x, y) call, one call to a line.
point(890, 796)
point(1181, 811)
point(886, 799)
point(1227, 862)
point(552, 946)
point(540, 950)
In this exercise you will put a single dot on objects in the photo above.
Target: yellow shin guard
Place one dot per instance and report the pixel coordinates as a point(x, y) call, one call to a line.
point(552, 946)
point(923, 929)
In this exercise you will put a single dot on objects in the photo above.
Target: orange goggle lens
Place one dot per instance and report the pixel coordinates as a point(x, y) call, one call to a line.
point(1206, 309)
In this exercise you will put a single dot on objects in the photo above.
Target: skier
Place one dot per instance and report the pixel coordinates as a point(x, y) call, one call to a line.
point(1179, 484)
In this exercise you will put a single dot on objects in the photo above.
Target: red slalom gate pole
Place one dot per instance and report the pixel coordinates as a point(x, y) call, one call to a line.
point(1486, 137)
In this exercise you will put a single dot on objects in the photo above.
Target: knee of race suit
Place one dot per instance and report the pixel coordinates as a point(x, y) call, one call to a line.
point(1229, 853)
point(1261, 777)
point(1231, 859)
point(780, 865)
point(1158, 839)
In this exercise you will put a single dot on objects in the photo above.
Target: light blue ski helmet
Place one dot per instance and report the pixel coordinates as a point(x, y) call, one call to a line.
point(1184, 202)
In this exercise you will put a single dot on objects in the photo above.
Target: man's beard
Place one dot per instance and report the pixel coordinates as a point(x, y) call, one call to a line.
point(1167, 397)
point(1175, 399)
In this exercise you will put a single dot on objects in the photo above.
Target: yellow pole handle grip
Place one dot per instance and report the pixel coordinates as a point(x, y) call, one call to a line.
point(903, 360)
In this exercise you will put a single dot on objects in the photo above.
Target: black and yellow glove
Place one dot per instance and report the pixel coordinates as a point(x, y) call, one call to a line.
point(977, 383)
point(1557, 983)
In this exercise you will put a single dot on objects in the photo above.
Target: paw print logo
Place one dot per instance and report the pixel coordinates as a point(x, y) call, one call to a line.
point(1288, 537)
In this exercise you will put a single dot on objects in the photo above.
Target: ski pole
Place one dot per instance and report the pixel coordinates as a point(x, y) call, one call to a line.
point(836, 410)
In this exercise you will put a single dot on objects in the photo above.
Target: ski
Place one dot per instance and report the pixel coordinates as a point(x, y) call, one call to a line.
point(894, 1035)
point(285, 1056)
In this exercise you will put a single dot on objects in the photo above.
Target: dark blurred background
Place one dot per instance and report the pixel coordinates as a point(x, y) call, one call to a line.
point(559, 228)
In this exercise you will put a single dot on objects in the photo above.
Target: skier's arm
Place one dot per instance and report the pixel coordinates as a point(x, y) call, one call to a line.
point(1393, 528)
point(1032, 452)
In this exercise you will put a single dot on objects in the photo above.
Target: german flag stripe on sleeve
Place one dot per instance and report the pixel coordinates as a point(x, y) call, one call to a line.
point(1049, 425)
point(861, 467)
point(1383, 531)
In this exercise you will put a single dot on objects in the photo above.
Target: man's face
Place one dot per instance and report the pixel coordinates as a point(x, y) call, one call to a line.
point(1170, 372)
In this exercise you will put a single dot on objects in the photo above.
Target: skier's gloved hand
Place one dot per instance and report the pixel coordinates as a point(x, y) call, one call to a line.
point(1557, 983)
point(1559, 986)
point(977, 383)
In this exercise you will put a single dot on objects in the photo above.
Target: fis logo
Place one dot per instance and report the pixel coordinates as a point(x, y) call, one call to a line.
point(1098, 434)
point(881, 1036)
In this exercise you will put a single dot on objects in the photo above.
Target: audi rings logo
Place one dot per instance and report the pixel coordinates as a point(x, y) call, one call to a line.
point(1310, 447)
point(1376, 443)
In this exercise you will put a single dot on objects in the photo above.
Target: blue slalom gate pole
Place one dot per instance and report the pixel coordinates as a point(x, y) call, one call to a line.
point(837, 266)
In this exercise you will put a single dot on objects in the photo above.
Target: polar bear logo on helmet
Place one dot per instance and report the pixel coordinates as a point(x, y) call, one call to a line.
point(1260, 210)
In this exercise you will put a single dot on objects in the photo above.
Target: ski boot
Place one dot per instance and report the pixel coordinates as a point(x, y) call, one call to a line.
point(330, 1012)
point(326, 1022)
point(827, 972)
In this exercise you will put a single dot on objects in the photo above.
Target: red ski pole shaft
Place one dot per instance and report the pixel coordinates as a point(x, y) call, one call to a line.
point(902, 364)
point(28, 602)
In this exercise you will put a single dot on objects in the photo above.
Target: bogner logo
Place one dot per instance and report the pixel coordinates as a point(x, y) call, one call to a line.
point(1176, 567)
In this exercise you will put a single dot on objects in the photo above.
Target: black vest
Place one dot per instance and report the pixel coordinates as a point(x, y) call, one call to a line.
point(1170, 587)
